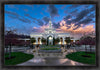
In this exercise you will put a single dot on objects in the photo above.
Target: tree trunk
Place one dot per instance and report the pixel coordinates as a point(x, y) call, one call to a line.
point(85, 49)
point(6, 49)
point(90, 48)
point(10, 51)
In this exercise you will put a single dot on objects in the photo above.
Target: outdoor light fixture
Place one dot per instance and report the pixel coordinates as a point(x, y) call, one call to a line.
point(59, 42)
point(34, 43)
point(50, 38)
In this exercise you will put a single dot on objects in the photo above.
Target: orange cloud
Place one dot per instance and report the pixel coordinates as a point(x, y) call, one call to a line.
point(41, 28)
point(64, 28)
point(34, 27)
point(75, 32)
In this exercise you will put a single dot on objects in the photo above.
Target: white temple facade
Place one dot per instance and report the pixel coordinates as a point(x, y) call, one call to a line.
point(49, 34)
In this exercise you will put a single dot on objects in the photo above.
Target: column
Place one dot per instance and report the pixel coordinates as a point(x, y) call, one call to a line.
point(73, 40)
point(63, 40)
point(59, 41)
point(40, 41)
point(36, 40)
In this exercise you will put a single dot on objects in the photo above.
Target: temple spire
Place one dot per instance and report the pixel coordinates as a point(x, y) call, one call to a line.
point(50, 23)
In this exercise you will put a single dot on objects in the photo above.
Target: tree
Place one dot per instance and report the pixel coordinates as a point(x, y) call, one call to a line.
point(57, 40)
point(73, 44)
point(78, 43)
point(43, 40)
point(32, 40)
point(67, 40)
point(10, 39)
point(92, 42)
point(86, 41)
point(27, 42)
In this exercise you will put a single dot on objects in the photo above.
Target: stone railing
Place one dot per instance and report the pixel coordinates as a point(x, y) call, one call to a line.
point(49, 51)
point(44, 55)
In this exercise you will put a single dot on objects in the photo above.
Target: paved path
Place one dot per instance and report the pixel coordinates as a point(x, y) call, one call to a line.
point(51, 62)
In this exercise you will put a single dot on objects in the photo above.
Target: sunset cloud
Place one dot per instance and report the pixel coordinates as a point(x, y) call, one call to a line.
point(79, 31)
point(34, 27)
point(73, 18)
point(65, 28)
point(40, 29)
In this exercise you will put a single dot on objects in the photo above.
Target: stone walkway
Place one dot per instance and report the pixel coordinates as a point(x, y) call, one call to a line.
point(51, 62)
point(51, 59)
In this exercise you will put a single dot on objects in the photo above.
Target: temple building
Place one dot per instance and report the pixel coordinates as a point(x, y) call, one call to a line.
point(50, 34)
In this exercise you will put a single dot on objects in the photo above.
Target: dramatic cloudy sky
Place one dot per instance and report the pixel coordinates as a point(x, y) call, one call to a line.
point(75, 19)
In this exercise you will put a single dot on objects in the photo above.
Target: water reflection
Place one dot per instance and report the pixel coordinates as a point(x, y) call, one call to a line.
point(73, 62)
point(61, 61)
point(38, 60)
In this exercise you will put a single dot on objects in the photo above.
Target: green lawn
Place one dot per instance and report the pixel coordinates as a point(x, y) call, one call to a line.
point(19, 58)
point(50, 48)
point(77, 56)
